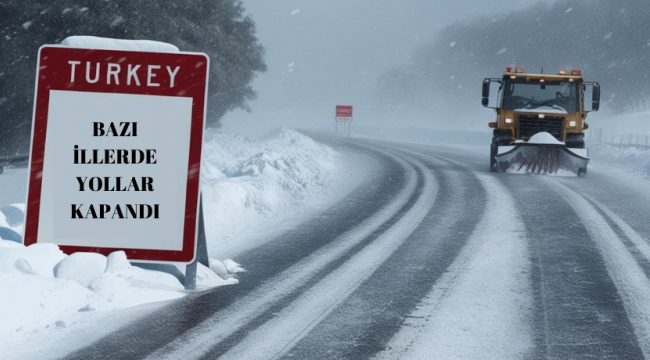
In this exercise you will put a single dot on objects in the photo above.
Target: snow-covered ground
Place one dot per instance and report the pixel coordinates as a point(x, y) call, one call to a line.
point(611, 128)
point(616, 125)
point(43, 290)
point(253, 190)
point(631, 160)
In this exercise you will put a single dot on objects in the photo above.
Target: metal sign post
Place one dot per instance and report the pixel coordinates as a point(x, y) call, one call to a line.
point(201, 253)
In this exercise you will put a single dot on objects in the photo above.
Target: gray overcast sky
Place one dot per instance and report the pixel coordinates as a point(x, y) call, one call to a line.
point(323, 52)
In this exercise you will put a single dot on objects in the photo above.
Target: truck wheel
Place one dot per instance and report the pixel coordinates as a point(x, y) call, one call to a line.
point(494, 166)
point(497, 140)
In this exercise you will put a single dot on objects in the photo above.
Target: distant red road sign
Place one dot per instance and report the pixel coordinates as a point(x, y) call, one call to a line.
point(116, 152)
point(344, 113)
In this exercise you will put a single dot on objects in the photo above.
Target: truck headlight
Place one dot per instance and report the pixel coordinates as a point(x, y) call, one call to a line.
point(508, 121)
point(572, 124)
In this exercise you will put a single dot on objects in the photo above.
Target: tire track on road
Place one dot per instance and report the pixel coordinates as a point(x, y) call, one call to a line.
point(578, 312)
point(365, 322)
point(275, 337)
point(623, 268)
point(589, 275)
point(224, 330)
point(481, 306)
point(386, 193)
point(636, 245)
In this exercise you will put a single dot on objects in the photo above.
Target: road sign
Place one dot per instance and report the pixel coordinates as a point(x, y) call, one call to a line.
point(344, 113)
point(116, 152)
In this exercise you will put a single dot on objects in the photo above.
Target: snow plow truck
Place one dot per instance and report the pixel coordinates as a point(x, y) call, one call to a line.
point(540, 121)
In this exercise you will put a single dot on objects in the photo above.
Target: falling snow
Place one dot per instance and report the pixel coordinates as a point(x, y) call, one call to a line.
point(118, 20)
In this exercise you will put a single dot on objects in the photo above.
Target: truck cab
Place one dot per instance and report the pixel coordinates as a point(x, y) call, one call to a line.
point(527, 104)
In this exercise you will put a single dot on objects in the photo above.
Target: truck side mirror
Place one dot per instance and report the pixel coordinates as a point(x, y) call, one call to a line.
point(486, 93)
point(595, 97)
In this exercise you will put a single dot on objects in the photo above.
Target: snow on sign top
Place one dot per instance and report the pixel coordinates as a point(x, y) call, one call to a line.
point(344, 113)
point(93, 42)
point(116, 151)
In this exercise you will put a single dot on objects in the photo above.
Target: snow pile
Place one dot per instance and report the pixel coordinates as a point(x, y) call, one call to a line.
point(633, 160)
point(33, 297)
point(11, 222)
point(42, 287)
point(81, 267)
point(247, 182)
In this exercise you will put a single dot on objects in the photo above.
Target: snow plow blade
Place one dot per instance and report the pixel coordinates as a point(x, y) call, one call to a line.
point(542, 159)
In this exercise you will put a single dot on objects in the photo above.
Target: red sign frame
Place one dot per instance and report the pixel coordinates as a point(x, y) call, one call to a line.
point(343, 112)
point(52, 60)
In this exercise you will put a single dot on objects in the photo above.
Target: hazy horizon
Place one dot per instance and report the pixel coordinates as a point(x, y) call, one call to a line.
point(323, 53)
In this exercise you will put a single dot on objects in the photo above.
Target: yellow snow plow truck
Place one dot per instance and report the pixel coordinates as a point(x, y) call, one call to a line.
point(540, 121)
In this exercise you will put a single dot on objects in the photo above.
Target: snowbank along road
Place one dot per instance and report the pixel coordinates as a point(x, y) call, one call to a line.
point(432, 257)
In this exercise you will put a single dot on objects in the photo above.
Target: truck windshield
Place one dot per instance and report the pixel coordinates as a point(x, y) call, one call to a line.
point(554, 96)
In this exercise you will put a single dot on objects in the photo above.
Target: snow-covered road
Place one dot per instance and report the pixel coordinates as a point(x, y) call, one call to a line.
point(431, 257)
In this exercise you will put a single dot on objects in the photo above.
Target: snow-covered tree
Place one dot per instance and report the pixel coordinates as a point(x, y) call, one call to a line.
point(219, 28)
point(608, 40)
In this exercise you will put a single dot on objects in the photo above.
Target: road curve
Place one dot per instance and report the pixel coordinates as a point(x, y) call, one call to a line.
point(431, 257)
point(299, 259)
